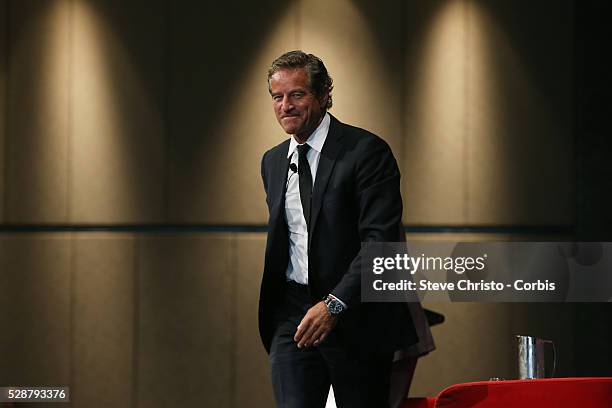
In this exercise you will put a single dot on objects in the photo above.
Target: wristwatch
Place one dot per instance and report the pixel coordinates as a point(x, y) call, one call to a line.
point(334, 306)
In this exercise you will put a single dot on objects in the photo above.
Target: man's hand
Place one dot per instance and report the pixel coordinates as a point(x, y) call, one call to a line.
point(315, 326)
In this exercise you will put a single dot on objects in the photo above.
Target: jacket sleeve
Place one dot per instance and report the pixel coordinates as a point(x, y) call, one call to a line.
point(263, 174)
point(377, 181)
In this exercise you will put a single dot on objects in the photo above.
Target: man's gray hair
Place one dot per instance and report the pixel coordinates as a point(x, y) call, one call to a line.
point(318, 79)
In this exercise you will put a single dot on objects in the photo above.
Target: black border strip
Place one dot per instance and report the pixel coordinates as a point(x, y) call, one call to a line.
point(236, 228)
point(493, 229)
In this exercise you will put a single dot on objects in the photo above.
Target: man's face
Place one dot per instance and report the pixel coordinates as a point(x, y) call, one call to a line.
point(297, 109)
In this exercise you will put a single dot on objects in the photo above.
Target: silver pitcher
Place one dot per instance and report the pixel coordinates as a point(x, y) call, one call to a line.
point(531, 360)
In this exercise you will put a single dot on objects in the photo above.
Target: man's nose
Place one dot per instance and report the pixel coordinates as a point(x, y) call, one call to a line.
point(286, 104)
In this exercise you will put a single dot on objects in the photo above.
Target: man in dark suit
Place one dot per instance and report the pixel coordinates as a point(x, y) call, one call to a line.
point(329, 187)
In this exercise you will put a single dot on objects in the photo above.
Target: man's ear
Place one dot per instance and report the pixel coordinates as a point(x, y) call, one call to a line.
point(323, 99)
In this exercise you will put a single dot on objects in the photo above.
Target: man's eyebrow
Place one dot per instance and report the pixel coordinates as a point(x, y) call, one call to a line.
point(303, 90)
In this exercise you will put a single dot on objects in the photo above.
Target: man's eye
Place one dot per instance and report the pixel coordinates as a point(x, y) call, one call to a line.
point(297, 94)
point(277, 98)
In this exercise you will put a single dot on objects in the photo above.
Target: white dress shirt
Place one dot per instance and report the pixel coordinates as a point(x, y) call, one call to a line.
point(297, 269)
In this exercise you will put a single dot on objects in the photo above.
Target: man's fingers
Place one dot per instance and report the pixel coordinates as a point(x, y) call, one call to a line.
point(320, 340)
point(316, 322)
point(301, 329)
point(308, 337)
point(320, 336)
point(317, 335)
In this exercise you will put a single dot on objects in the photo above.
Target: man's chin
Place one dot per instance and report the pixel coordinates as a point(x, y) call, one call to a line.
point(290, 124)
point(290, 130)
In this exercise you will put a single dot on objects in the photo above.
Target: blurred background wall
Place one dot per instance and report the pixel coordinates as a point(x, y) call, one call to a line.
point(132, 212)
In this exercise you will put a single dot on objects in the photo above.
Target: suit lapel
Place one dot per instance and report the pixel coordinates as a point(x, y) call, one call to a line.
point(279, 182)
point(329, 153)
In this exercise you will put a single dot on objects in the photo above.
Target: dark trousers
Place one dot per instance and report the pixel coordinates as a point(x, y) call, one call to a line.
point(301, 377)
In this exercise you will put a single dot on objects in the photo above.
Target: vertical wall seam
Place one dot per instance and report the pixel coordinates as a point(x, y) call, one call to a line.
point(403, 90)
point(72, 306)
point(466, 106)
point(233, 264)
point(70, 113)
point(297, 25)
point(6, 61)
point(166, 110)
point(571, 114)
point(136, 319)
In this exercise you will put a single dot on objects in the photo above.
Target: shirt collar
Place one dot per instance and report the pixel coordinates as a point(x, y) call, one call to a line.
point(316, 139)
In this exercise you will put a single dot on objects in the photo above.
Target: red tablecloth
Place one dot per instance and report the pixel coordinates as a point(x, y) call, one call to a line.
point(544, 393)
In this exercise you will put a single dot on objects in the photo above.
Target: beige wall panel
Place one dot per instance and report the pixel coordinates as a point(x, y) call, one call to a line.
point(253, 385)
point(220, 114)
point(434, 113)
point(3, 100)
point(35, 309)
point(103, 320)
point(185, 338)
point(38, 99)
point(519, 111)
point(475, 343)
point(360, 43)
point(118, 127)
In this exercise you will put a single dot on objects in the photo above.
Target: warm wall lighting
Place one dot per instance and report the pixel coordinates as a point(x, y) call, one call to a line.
point(116, 116)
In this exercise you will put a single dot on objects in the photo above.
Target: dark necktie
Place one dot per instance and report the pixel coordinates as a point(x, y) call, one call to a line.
point(305, 181)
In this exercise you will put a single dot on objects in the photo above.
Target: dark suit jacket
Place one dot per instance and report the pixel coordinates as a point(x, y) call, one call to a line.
point(356, 198)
